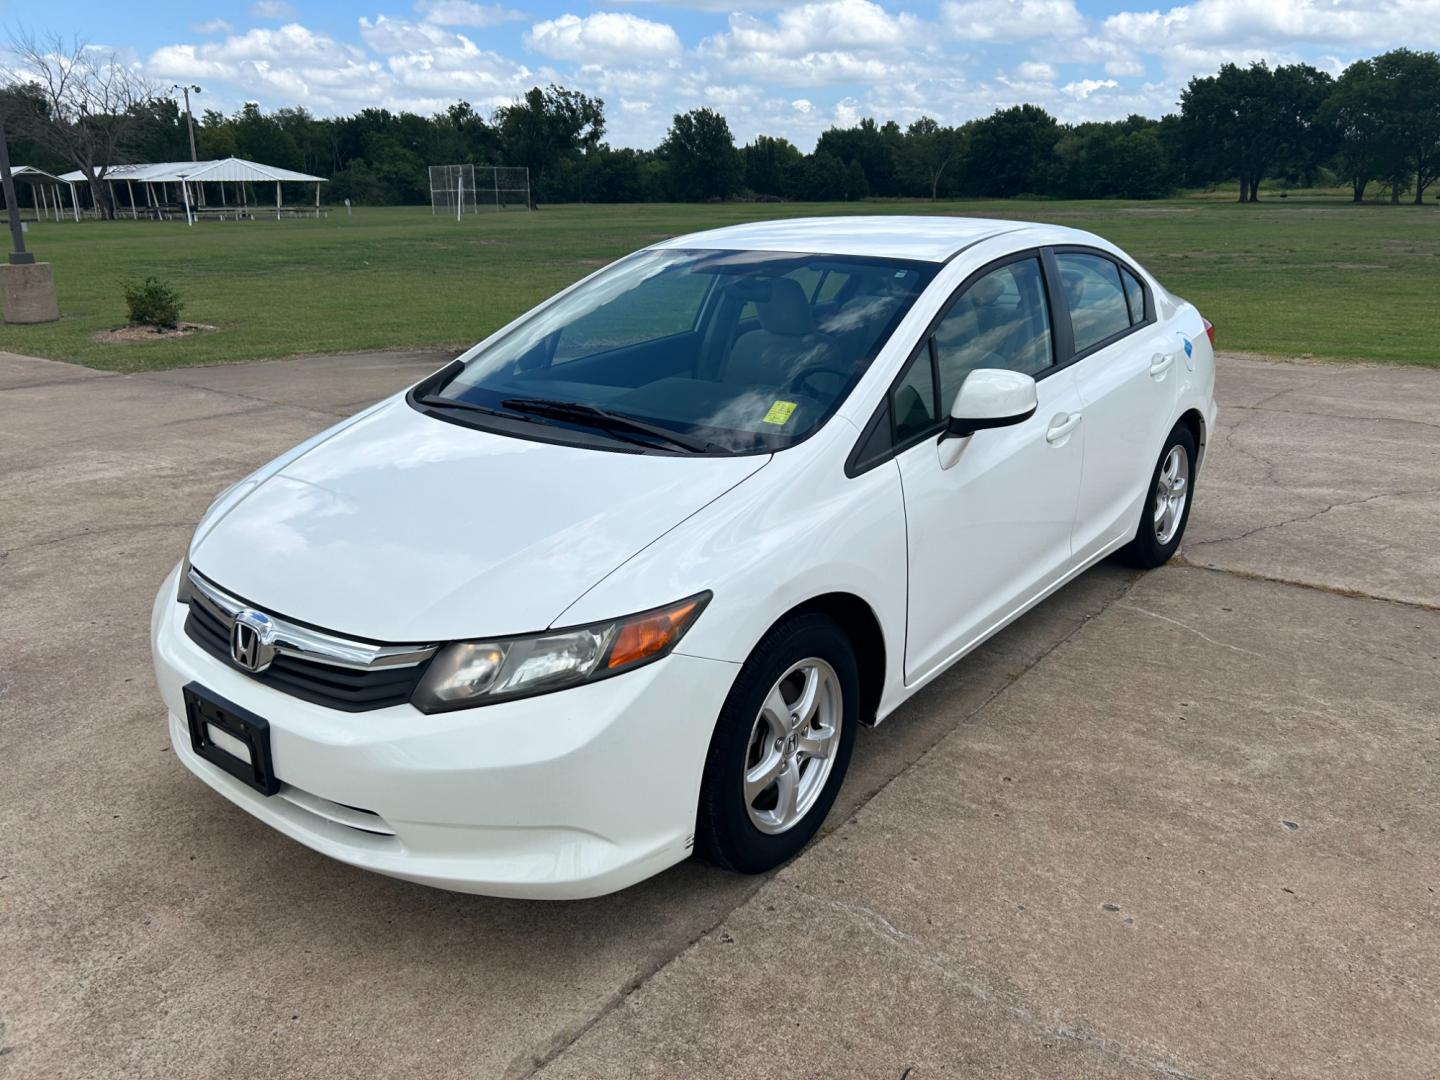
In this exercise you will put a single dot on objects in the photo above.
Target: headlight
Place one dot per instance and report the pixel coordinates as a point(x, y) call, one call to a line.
point(470, 673)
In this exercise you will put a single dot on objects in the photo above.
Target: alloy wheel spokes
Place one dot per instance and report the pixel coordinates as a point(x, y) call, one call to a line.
point(1170, 494)
point(792, 745)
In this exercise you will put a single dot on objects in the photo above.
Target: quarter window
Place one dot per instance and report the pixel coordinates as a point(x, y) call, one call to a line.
point(914, 398)
point(1000, 321)
point(1135, 295)
point(1098, 309)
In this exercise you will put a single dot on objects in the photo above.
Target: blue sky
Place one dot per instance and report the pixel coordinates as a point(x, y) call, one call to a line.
point(781, 68)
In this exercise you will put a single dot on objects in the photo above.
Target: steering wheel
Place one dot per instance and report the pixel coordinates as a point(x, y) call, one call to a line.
point(797, 384)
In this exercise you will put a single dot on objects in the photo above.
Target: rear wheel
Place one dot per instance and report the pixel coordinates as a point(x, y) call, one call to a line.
point(781, 746)
point(1167, 509)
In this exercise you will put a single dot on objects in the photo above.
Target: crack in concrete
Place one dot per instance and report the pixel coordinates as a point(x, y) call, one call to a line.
point(99, 531)
point(1179, 560)
point(955, 971)
point(242, 396)
point(73, 380)
point(1334, 416)
point(1269, 466)
point(1187, 627)
point(1312, 516)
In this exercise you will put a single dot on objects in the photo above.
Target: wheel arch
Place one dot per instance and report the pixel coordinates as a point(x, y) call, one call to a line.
point(1192, 419)
point(861, 625)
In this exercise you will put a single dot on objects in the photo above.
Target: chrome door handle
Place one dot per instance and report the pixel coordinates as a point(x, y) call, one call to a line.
point(1160, 363)
point(1060, 428)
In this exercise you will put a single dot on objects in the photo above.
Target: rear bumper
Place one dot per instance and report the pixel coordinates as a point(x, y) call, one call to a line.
point(567, 795)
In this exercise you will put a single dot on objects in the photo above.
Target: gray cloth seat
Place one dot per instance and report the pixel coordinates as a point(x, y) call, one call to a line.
point(785, 343)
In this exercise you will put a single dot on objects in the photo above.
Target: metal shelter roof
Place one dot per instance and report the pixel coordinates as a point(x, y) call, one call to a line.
point(228, 170)
point(32, 174)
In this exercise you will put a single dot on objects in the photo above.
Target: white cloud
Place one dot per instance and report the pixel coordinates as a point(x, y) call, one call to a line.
point(465, 13)
point(1011, 20)
point(212, 26)
point(1035, 71)
point(272, 9)
point(604, 36)
point(1083, 88)
point(820, 43)
point(1208, 25)
point(295, 65)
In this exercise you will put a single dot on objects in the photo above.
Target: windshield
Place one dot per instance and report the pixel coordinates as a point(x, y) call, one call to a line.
point(726, 351)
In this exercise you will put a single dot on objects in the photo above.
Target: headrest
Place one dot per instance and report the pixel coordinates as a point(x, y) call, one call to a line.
point(788, 309)
point(987, 290)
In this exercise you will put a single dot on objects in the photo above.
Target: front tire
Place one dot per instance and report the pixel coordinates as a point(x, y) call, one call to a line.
point(781, 746)
point(1167, 506)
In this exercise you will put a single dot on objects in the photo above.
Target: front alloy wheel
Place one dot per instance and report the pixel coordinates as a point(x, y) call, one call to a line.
point(792, 745)
point(781, 746)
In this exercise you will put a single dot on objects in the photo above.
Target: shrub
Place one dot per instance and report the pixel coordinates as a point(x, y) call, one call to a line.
point(153, 303)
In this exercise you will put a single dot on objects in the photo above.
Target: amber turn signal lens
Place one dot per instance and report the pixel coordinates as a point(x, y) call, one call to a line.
point(651, 633)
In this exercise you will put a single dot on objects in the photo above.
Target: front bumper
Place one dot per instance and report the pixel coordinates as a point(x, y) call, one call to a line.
point(566, 795)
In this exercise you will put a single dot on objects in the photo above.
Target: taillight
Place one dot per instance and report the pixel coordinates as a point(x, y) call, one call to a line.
point(1209, 329)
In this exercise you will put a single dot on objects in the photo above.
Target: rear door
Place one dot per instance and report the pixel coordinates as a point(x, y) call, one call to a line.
point(1125, 373)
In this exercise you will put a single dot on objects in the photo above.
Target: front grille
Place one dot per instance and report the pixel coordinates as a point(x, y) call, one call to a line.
point(350, 689)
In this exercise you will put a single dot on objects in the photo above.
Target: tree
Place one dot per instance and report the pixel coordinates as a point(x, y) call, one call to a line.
point(766, 163)
point(1412, 117)
point(88, 104)
point(1011, 151)
point(546, 126)
point(873, 146)
point(1356, 114)
point(856, 186)
point(1247, 121)
point(926, 151)
point(700, 156)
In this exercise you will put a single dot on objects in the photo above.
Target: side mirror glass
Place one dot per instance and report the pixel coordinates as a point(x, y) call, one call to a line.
point(991, 398)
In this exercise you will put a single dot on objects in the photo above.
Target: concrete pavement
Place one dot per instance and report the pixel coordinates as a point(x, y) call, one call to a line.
point(1179, 823)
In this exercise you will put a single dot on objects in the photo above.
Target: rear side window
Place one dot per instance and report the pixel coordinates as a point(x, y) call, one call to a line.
point(1096, 298)
point(1135, 296)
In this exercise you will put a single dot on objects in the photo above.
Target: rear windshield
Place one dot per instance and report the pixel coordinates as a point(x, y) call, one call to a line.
point(734, 351)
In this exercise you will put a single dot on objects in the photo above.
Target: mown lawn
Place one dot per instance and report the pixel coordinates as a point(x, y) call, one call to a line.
point(1295, 277)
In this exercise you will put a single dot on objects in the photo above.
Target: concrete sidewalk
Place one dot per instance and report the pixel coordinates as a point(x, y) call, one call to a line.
point(1181, 823)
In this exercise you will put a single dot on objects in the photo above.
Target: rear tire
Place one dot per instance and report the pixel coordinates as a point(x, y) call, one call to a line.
point(781, 746)
point(1166, 510)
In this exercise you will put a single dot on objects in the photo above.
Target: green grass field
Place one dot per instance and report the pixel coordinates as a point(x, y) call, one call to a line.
point(1302, 276)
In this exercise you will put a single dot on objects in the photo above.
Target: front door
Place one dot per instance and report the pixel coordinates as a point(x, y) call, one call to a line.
point(988, 534)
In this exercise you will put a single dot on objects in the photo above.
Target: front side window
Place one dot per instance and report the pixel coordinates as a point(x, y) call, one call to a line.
point(999, 321)
point(1098, 308)
point(729, 351)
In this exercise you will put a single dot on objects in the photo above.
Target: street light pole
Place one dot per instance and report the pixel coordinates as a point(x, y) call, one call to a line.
point(19, 256)
point(189, 117)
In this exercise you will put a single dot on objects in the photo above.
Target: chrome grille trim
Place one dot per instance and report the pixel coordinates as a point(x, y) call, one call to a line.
point(304, 643)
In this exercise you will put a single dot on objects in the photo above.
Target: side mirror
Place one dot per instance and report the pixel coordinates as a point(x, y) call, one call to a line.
point(988, 398)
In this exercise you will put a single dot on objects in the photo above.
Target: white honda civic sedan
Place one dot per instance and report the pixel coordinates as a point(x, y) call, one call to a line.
point(622, 581)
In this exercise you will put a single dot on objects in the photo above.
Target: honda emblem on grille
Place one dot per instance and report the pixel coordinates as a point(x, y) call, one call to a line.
point(252, 640)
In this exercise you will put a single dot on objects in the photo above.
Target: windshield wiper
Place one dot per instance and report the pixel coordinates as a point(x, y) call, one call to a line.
point(605, 420)
point(438, 402)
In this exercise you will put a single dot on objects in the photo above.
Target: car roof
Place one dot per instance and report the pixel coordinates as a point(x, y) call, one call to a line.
point(931, 238)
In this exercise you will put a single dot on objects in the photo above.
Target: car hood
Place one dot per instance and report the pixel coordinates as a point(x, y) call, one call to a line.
point(405, 528)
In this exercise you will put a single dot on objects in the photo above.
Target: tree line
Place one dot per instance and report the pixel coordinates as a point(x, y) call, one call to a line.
point(1375, 127)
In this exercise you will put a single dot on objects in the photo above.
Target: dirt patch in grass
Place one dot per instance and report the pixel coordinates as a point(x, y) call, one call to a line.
point(122, 334)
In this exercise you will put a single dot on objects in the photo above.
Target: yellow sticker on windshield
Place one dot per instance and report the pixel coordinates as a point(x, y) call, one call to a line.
point(780, 412)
